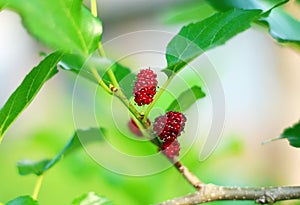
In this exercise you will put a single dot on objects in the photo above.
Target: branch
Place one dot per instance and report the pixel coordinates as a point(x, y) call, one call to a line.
point(262, 195)
point(189, 176)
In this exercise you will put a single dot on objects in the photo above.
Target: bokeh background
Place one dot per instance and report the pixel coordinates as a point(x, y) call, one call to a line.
point(260, 79)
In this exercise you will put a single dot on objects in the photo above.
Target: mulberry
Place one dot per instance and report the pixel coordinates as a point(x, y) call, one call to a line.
point(169, 126)
point(145, 87)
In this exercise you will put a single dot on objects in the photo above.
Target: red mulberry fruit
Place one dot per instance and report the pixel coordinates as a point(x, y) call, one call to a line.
point(145, 95)
point(135, 129)
point(171, 150)
point(169, 126)
point(145, 87)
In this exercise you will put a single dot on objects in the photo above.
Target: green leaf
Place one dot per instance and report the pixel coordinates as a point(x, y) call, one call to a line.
point(78, 65)
point(292, 134)
point(196, 38)
point(187, 12)
point(28, 89)
point(26, 167)
point(22, 200)
point(265, 5)
point(91, 199)
point(79, 139)
point(186, 99)
point(282, 26)
point(62, 24)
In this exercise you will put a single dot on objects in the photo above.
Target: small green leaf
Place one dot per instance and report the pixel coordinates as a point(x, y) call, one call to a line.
point(196, 38)
point(26, 167)
point(28, 89)
point(91, 199)
point(186, 99)
point(77, 65)
point(62, 24)
point(80, 138)
point(292, 134)
point(22, 200)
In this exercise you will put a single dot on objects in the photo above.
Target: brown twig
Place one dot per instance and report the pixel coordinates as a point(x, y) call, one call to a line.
point(261, 195)
point(189, 176)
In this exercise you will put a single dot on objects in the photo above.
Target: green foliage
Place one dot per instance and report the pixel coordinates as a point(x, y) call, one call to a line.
point(187, 99)
point(196, 38)
point(22, 200)
point(80, 138)
point(91, 199)
point(292, 134)
point(26, 167)
point(282, 26)
point(62, 24)
point(79, 66)
point(265, 5)
point(28, 89)
point(188, 12)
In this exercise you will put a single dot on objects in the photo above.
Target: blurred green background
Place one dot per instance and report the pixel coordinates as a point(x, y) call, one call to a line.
point(261, 85)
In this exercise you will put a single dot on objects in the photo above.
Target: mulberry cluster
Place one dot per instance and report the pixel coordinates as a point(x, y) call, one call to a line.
point(145, 87)
point(168, 127)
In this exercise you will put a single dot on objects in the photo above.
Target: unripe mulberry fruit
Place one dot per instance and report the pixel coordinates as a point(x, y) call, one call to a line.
point(171, 150)
point(145, 87)
point(169, 126)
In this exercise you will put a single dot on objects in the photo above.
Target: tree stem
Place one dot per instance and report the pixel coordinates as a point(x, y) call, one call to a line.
point(260, 195)
point(189, 176)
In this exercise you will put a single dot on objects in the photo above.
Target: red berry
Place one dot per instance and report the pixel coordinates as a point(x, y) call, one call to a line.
point(169, 126)
point(145, 87)
point(145, 78)
point(171, 150)
point(134, 128)
point(145, 95)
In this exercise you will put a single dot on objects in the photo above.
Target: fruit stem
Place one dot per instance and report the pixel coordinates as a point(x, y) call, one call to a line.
point(101, 51)
point(94, 7)
point(37, 187)
point(157, 96)
point(99, 80)
point(119, 94)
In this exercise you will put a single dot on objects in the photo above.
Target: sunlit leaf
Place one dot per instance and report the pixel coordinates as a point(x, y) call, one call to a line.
point(91, 199)
point(80, 138)
point(186, 99)
point(22, 200)
point(28, 89)
point(61, 24)
point(196, 38)
point(292, 134)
